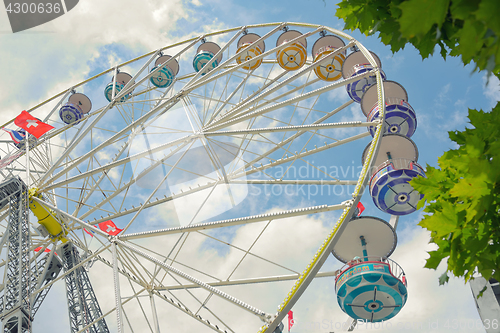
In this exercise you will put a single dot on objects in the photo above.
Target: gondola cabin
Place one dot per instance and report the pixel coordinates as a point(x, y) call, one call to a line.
point(294, 55)
point(246, 51)
point(77, 106)
point(329, 66)
point(371, 289)
point(204, 54)
point(400, 118)
point(22, 144)
point(122, 79)
point(395, 166)
point(355, 64)
point(164, 76)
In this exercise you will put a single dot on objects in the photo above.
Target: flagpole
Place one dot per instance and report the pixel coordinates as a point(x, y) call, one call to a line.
point(26, 139)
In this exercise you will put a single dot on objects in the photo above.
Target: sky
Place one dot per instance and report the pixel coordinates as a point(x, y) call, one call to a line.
point(94, 36)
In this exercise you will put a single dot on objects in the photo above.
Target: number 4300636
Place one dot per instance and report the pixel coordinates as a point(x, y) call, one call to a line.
point(33, 8)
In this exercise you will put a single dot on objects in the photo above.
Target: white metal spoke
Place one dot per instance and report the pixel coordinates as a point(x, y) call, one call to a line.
point(236, 282)
point(238, 221)
point(203, 285)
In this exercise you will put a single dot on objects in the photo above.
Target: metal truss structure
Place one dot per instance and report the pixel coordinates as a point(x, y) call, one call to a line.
point(83, 307)
point(16, 309)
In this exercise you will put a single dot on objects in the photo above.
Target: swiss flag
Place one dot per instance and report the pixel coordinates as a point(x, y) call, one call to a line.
point(39, 248)
point(32, 125)
point(360, 207)
point(110, 228)
point(290, 320)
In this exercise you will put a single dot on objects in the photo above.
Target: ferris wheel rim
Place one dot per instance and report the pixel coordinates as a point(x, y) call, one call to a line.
point(348, 211)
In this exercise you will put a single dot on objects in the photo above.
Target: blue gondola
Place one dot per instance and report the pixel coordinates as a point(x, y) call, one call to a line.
point(395, 166)
point(204, 54)
point(121, 80)
point(356, 89)
point(356, 63)
point(22, 144)
point(371, 289)
point(70, 113)
point(390, 188)
point(400, 118)
point(164, 77)
point(77, 106)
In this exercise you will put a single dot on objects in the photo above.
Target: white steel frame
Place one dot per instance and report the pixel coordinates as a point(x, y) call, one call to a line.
point(58, 166)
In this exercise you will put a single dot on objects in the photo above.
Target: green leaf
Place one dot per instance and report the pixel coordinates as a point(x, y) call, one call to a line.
point(457, 136)
point(471, 39)
point(442, 223)
point(471, 187)
point(434, 260)
point(443, 279)
point(462, 9)
point(480, 294)
point(420, 15)
point(425, 45)
point(489, 12)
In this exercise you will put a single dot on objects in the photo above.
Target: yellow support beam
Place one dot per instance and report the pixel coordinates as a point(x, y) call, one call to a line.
point(46, 217)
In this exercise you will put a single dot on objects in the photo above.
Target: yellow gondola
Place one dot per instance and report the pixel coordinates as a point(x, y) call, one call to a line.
point(329, 69)
point(293, 56)
point(249, 52)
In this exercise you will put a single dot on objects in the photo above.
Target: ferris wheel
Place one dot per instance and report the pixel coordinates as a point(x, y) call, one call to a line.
point(187, 187)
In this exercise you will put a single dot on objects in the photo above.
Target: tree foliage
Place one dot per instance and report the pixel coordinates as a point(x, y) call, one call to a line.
point(463, 193)
point(466, 28)
point(463, 199)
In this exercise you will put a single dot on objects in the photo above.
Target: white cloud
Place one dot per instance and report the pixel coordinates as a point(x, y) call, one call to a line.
point(492, 89)
point(427, 300)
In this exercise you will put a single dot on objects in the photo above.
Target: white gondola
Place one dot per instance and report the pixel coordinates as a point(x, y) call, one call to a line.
point(164, 77)
point(400, 117)
point(293, 56)
point(356, 63)
point(205, 52)
point(382, 242)
point(370, 287)
point(247, 52)
point(77, 106)
point(331, 68)
point(121, 80)
point(395, 166)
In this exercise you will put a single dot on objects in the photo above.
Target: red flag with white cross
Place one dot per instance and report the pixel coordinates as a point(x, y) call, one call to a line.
point(32, 125)
point(110, 228)
point(360, 207)
point(290, 320)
